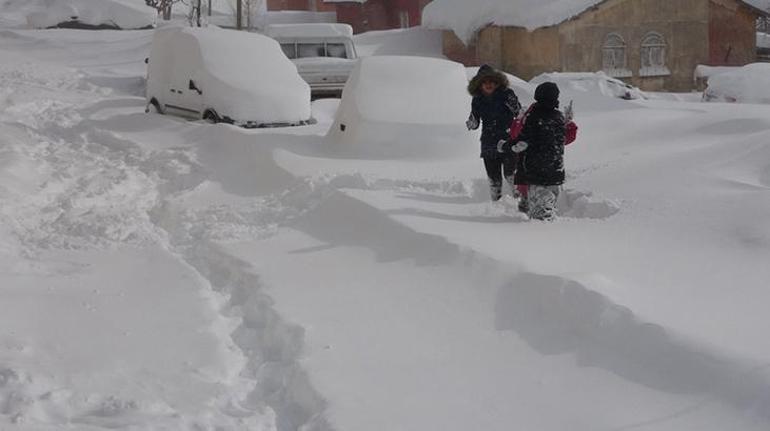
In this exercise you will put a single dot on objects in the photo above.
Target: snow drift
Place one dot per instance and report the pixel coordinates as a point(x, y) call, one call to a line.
point(748, 84)
point(113, 14)
point(598, 84)
point(403, 107)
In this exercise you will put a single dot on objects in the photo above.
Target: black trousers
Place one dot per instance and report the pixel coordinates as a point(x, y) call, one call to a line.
point(499, 167)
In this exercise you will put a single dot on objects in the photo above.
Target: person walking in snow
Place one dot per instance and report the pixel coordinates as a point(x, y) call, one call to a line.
point(540, 146)
point(494, 107)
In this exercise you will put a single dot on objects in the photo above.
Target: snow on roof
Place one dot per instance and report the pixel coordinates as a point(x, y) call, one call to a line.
point(759, 4)
point(466, 17)
point(309, 30)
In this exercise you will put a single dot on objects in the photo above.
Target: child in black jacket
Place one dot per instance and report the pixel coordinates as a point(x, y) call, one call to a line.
point(540, 146)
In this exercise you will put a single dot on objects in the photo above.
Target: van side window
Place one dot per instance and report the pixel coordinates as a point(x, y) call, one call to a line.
point(289, 49)
point(310, 50)
point(336, 50)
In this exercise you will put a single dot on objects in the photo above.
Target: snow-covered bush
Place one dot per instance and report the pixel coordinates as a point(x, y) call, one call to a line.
point(115, 14)
point(748, 84)
point(401, 107)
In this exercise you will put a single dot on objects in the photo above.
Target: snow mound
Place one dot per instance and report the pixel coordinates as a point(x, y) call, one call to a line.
point(579, 204)
point(375, 120)
point(310, 30)
point(403, 41)
point(597, 83)
point(748, 84)
point(116, 14)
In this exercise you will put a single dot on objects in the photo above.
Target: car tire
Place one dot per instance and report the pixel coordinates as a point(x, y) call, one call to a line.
point(211, 116)
point(154, 107)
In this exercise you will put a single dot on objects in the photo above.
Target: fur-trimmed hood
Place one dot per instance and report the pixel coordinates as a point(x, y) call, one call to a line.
point(487, 72)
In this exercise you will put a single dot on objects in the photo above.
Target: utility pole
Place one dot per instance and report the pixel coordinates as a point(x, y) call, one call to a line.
point(209, 7)
point(239, 14)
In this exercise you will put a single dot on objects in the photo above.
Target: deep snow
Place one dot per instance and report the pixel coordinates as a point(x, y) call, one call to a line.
point(157, 273)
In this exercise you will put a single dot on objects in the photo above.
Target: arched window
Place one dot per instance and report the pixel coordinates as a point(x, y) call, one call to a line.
point(614, 56)
point(653, 55)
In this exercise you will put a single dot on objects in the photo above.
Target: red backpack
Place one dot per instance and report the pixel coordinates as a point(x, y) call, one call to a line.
point(518, 123)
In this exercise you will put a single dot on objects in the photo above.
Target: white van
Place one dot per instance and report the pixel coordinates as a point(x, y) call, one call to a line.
point(201, 73)
point(324, 53)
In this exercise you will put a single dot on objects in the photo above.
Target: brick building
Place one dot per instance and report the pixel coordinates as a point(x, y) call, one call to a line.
point(300, 5)
point(367, 15)
point(653, 44)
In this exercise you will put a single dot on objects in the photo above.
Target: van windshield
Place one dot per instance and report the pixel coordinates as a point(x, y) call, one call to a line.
point(336, 50)
point(305, 50)
point(294, 50)
point(289, 49)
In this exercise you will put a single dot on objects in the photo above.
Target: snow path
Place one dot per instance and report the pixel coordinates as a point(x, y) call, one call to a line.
point(254, 283)
point(139, 338)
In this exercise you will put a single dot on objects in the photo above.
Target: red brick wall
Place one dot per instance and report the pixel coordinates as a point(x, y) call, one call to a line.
point(732, 37)
point(320, 5)
point(379, 14)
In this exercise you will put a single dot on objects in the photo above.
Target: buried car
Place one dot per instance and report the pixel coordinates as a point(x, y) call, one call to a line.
point(403, 107)
point(598, 83)
point(323, 53)
point(202, 73)
point(747, 84)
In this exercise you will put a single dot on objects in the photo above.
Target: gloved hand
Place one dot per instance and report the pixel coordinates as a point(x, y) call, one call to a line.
point(503, 146)
point(521, 146)
point(472, 123)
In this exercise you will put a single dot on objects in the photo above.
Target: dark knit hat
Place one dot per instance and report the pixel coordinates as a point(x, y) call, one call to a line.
point(547, 92)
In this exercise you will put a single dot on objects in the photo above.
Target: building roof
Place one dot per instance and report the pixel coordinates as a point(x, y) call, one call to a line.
point(466, 17)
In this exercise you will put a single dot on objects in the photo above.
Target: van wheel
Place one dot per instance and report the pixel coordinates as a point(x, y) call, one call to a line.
point(154, 107)
point(211, 116)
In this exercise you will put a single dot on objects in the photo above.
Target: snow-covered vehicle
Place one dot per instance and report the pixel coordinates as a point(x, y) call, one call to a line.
point(747, 84)
point(404, 107)
point(598, 83)
point(91, 14)
point(324, 53)
point(192, 72)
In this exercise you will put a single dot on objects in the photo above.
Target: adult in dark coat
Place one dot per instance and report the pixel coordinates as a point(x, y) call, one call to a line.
point(540, 146)
point(494, 107)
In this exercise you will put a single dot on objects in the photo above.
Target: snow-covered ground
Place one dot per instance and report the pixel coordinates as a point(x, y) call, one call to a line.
point(157, 273)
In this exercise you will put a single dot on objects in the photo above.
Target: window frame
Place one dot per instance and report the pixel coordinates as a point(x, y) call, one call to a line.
point(653, 45)
point(613, 44)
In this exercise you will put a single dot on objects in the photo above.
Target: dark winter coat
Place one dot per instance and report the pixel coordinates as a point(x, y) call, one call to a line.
point(495, 112)
point(542, 163)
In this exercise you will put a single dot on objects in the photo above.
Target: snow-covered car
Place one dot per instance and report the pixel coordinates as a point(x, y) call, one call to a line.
point(194, 73)
point(404, 107)
point(598, 83)
point(747, 84)
point(323, 53)
point(91, 14)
